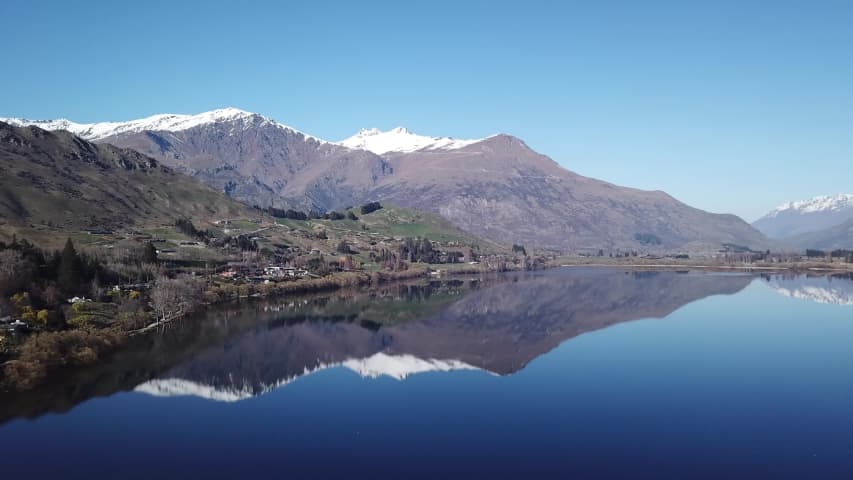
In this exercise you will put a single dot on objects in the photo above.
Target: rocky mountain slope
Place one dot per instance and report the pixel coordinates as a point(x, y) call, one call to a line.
point(500, 188)
point(496, 187)
point(55, 179)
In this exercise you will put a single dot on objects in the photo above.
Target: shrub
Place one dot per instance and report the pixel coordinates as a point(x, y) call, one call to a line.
point(45, 351)
point(370, 207)
point(647, 239)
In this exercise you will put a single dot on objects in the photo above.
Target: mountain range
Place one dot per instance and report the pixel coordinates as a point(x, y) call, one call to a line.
point(496, 187)
point(824, 222)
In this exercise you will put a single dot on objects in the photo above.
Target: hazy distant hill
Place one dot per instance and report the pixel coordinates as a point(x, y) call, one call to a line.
point(496, 187)
point(837, 237)
point(797, 218)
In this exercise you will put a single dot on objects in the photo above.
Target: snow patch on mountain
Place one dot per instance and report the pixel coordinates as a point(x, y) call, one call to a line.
point(822, 203)
point(161, 123)
point(401, 140)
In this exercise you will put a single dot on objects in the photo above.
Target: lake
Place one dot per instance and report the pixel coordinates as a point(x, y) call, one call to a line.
point(572, 372)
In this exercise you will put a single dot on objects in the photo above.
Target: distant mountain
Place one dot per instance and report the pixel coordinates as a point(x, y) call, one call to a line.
point(55, 179)
point(496, 187)
point(832, 238)
point(806, 216)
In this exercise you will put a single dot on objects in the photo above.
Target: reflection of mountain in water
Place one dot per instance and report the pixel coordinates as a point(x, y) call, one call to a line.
point(377, 365)
point(834, 289)
point(499, 328)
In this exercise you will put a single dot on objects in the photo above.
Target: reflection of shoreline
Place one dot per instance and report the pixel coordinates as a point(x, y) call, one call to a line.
point(787, 268)
point(497, 328)
point(835, 290)
point(147, 357)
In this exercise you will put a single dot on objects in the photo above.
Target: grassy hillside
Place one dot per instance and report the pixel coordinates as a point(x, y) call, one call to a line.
point(384, 228)
point(396, 222)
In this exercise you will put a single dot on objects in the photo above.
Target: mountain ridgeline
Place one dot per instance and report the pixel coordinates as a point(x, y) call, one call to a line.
point(496, 187)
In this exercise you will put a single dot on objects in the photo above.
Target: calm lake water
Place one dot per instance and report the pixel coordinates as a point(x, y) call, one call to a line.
point(584, 373)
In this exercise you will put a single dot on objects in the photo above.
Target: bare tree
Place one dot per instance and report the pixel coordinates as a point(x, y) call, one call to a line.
point(14, 271)
point(173, 298)
point(164, 299)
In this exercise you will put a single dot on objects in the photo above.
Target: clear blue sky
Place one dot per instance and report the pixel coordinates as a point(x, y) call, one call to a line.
point(729, 106)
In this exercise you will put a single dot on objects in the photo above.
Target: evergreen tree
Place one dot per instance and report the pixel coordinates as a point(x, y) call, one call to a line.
point(149, 253)
point(69, 273)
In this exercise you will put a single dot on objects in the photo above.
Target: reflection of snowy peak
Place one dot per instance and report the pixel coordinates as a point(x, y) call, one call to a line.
point(378, 365)
point(178, 387)
point(401, 366)
point(837, 292)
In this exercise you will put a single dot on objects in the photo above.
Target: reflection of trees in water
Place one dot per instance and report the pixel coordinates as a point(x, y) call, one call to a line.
point(499, 323)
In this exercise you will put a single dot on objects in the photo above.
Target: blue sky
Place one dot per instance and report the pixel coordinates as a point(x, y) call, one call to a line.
point(729, 106)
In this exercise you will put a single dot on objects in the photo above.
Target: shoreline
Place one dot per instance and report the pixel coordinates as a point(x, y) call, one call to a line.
point(109, 341)
point(815, 267)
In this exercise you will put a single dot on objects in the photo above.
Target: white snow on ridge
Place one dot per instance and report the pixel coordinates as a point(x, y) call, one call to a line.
point(822, 203)
point(164, 122)
point(400, 140)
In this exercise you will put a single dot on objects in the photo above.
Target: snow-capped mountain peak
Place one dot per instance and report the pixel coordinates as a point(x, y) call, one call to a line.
point(168, 122)
point(822, 203)
point(796, 218)
point(400, 139)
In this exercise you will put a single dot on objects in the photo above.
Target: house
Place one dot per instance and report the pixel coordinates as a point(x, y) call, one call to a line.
point(230, 273)
point(284, 272)
point(274, 272)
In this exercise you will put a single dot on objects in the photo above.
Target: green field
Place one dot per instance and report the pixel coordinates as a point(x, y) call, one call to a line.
point(394, 222)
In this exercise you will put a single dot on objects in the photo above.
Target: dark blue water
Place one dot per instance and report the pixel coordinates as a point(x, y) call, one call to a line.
point(566, 373)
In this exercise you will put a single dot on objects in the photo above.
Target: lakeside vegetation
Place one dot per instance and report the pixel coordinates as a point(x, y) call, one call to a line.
point(75, 306)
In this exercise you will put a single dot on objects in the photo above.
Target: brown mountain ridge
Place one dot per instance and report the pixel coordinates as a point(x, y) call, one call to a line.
point(497, 188)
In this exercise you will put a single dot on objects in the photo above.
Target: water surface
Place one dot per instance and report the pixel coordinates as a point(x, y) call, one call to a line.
point(568, 372)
